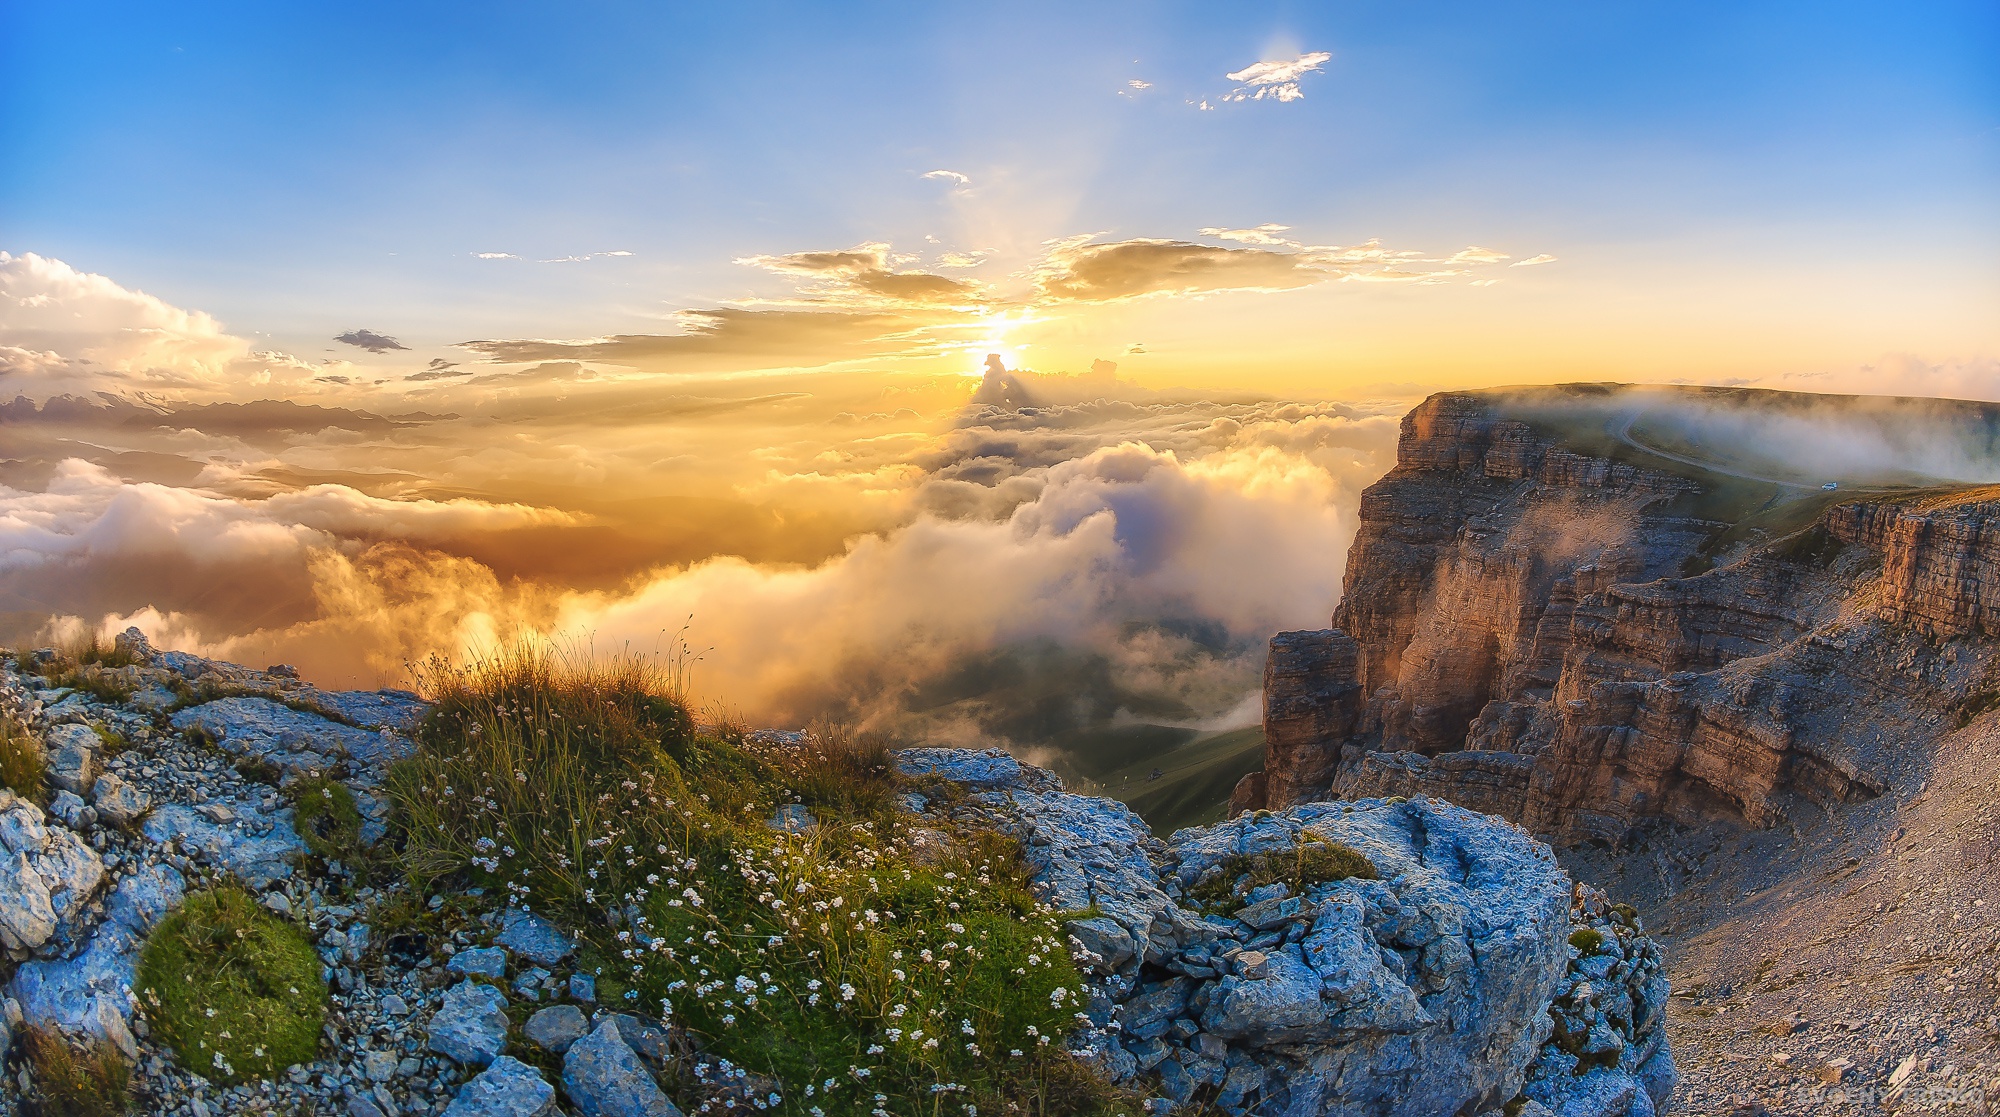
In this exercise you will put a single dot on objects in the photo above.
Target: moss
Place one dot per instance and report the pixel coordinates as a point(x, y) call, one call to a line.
point(326, 818)
point(23, 767)
point(1314, 860)
point(234, 990)
point(91, 1082)
point(256, 769)
point(1586, 940)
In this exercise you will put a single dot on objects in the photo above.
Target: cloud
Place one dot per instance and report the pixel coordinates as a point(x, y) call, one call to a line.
point(1474, 254)
point(65, 330)
point(1532, 261)
point(370, 340)
point(439, 369)
point(863, 275)
point(496, 255)
point(1277, 79)
point(732, 338)
point(1266, 234)
point(581, 258)
point(952, 177)
point(962, 259)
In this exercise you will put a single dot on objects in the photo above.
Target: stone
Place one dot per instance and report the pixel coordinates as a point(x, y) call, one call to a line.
point(556, 1027)
point(258, 859)
point(471, 1026)
point(72, 811)
point(119, 803)
point(986, 769)
point(295, 741)
point(603, 1077)
point(534, 938)
point(792, 818)
point(583, 987)
point(72, 758)
point(46, 875)
point(90, 993)
point(379, 1066)
point(508, 1088)
point(648, 1039)
point(480, 961)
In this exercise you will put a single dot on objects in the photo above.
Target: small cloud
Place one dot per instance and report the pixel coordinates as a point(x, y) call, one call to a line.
point(582, 258)
point(1276, 79)
point(620, 252)
point(1484, 282)
point(952, 177)
point(370, 340)
point(1532, 261)
point(1205, 106)
point(1135, 83)
point(1137, 349)
point(1261, 234)
point(439, 369)
point(496, 255)
point(962, 259)
point(1473, 254)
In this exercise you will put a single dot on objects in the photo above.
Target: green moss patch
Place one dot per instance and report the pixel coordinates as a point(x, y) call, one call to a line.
point(326, 818)
point(234, 990)
point(1586, 940)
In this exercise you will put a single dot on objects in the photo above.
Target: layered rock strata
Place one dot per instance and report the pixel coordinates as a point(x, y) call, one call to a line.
point(1581, 642)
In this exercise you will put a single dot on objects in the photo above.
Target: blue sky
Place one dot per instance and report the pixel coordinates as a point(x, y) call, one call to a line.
point(302, 170)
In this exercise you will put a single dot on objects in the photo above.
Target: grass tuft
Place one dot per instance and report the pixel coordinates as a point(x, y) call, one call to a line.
point(93, 1082)
point(1314, 860)
point(233, 989)
point(23, 765)
point(1586, 940)
point(859, 965)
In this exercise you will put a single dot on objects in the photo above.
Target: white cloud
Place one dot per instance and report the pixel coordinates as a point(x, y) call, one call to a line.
point(1473, 254)
point(952, 177)
point(64, 330)
point(1261, 234)
point(1135, 83)
point(1531, 261)
point(496, 255)
point(1276, 79)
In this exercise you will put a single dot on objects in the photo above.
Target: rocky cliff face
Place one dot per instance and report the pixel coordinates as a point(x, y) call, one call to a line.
point(1544, 621)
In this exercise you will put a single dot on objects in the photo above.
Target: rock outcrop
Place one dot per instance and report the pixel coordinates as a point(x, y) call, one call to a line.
point(1450, 985)
point(1542, 621)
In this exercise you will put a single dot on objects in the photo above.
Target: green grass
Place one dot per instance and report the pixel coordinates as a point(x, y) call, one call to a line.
point(1195, 782)
point(1314, 860)
point(859, 968)
point(1586, 940)
point(233, 989)
point(23, 767)
point(73, 1082)
point(326, 818)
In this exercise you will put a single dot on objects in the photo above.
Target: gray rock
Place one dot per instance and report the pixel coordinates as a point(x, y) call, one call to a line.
point(508, 1088)
point(72, 811)
point(361, 1105)
point(556, 1027)
point(72, 758)
point(46, 875)
point(792, 818)
point(471, 1027)
point(602, 1077)
point(986, 769)
point(259, 859)
point(291, 739)
point(480, 961)
point(374, 709)
point(119, 803)
point(534, 938)
point(90, 993)
point(379, 1066)
point(649, 1040)
point(583, 987)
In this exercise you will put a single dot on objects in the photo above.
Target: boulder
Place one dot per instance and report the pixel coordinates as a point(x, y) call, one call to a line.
point(235, 845)
point(602, 1077)
point(89, 995)
point(508, 1088)
point(46, 875)
point(118, 803)
point(471, 1027)
point(534, 938)
point(294, 740)
point(985, 769)
point(480, 961)
point(556, 1027)
point(72, 757)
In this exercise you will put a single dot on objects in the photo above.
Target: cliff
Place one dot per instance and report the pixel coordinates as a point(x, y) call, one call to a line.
point(1546, 618)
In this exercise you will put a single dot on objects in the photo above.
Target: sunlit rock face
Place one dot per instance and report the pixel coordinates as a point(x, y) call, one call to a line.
point(1542, 629)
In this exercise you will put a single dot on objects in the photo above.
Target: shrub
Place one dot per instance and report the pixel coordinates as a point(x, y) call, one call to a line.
point(1586, 940)
point(833, 959)
point(95, 1082)
point(326, 818)
point(23, 767)
point(1314, 860)
point(234, 990)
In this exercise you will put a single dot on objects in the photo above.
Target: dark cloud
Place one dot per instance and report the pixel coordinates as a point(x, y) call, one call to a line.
point(370, 340)
point(439, 369)
point(864, 273)
point(729, 337)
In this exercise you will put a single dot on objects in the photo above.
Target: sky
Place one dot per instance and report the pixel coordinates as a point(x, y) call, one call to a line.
point(644, 319)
